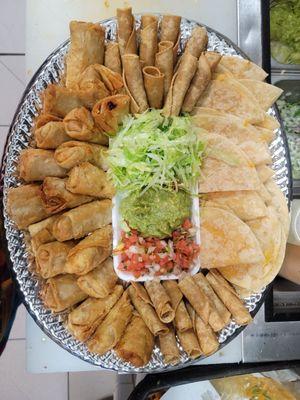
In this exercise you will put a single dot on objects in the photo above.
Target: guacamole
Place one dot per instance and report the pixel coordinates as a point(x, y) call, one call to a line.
point(156, 212)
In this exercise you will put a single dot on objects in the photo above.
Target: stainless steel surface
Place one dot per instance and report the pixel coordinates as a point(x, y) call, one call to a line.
point(19, 136)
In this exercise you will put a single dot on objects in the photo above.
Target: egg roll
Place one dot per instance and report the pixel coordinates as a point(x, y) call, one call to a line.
point(109, 113)
point(50, 135)
point(79, 125)
point(61, 292)
point(100, 79)
point(99, 282)
point(134, 84)
point(154, 86)
point(142, 303)
point(57, 197)
point(182, 319)
point(50, 258)
point(86, 179)
point(110, 331)
point(86, 48)
point(136, 344)
point(43, 119)
point(168, 347)
point(83, 320)
point(112, 59)
point(73, 153)
point(90, 252)
point(196, 297)
point(164, 62)
point(197, 42)
point(37, 164)
point(180, 84)
point(148, 39)
point(80, 221)
point(190, 343)
point(229, 297)
point(126, 31)
point(25, 205)
point(160, 300)
point(41, 232)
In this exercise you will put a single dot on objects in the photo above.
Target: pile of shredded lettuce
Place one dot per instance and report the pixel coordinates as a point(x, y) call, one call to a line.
point(152, 151)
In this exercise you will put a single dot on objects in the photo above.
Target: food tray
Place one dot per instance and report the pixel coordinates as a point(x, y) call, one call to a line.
point(18, 139)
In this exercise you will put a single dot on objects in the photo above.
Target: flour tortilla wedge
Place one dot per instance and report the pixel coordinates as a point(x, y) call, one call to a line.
point(264, 173)
point(225, 167)
point(242, 69)
point(278, 201)
point(265, 93)
point(225, 238)
point(269, 122)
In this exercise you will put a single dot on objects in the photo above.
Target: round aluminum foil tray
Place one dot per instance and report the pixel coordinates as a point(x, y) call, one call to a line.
point(18, 139)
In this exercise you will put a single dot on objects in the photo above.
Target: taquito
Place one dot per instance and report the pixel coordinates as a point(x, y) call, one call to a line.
point(160, 300)
point(170, 28)
point(197, 42)
point(126, 31)
point(213, 59)
point(190, 343)
point(154, 86)
point(168, 347)
point(148, 39)
point(112, 59)
point(164, 62)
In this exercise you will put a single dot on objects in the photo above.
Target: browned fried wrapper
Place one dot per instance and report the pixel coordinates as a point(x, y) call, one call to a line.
point(90, 252)
point(148, 39)
point(134, 83)
point(100, 79)
point(41, 232)
point(154, 86)
point(112, 58)
point(50, 135)
point(170, 28)
point(229, 297)
point(43, 119)
point(164, 62)
point(213, 59)
point(36, 164)
point(25, 205)
point(79, 125)
point(197, 42)
point(61, 292)
point(126, 31)
point(190, 343)
point(89, 180)
point(86, 48)
point(136, 344)
point(72, 153)
point(182, 319)
point(51, 258)
point(160, 300)
point(80, 221)
point(83, 320)
point(168, 347)
point(142, 303)
point(99, 282)
point(110, 331)
point(180, 84)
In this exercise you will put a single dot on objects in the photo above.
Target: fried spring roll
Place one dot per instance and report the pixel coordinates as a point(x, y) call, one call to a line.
point(169, 348)
point(190, 343)
point(196, 297)
point(83, 320)
point(51, 135)
point(41, 232)
point(110, 331)
point(112, 59)
point(87, 47)
point(180, 84)
point(43, 119)
point(126, 31)
point(57, 197)
point(229, 297)
point(90, 252)
point(82, 220)
point(182, 319)
point(86, 179)
point(51, 258)
point(160, 300)
point(197, 42)
point(25, 205)
point(198, 84)
point(142, 303)
point(148, 39)
point(136, 344)
point(164, 62)
point(154, 86)
point(79, 125)
point(99, 282)
point(134, 84)
point(37, 164)
point(170, 28)
point(102, 79)
point(61, 292)
point(73, 153)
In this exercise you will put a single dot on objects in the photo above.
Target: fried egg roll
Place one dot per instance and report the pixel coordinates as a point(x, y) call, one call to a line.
point(136, 344)
point(100, 79)
point(41, 232)
point(148, 39)
point(142, 303)
point(90, 252)
point(112, 59)
point(126, 31)
point(83, 320)
point(110, 331)
point(86, 179)
point(168, 347)
point(160, 300)
point(37, 164)
point(197, 42)
point(164, 62)
point(50, 135)
point(190, 343)
point(154, 86)
point(99, 282)
point(82, 220)
point(61, 292)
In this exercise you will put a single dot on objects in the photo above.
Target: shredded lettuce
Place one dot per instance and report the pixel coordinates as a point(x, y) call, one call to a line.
point(151, 151)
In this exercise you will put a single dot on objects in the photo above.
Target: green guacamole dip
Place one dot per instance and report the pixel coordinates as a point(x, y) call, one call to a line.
point(156, 212)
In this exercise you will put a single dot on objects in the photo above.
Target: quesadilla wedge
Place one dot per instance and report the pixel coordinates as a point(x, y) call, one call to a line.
point(265, 93)
point(278, 201)
point(264, 173)
point(241, 68)
point(269, 122)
